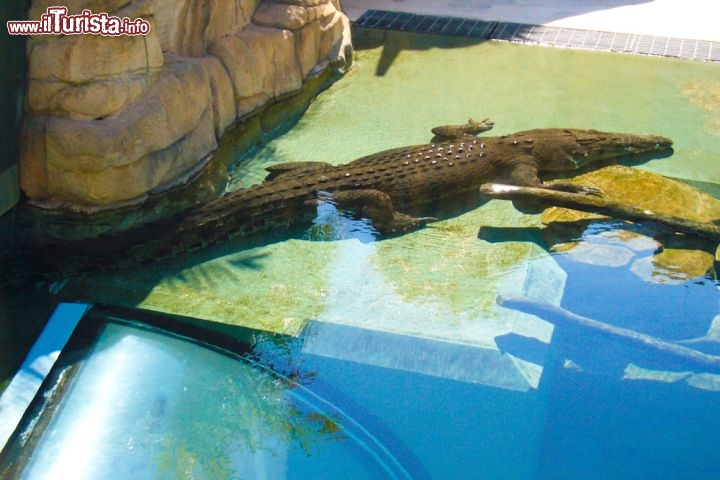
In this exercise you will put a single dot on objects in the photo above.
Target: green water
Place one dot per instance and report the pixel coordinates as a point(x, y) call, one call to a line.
point(406, 331)
point(440, 80)
point(392, 97)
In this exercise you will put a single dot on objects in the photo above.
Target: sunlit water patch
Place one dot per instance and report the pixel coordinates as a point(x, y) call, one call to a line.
point(590, 407)
point(147, 405)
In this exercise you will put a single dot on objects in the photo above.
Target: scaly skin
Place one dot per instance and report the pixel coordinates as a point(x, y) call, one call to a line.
point(380, 187)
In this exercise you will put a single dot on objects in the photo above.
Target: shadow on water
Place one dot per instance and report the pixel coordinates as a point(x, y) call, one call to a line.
point(211, 269)
point(599, 428)
point(512, 234)
point(398, 31)
point(636, 291)
point(527, 348)
point(393, 43)
point(134, 283)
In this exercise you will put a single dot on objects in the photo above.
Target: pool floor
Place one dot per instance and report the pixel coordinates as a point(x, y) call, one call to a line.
point(405, 334)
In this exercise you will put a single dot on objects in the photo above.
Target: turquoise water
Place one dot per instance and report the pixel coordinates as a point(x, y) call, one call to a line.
point(142, 404)
point(404, 334)
point(306, 407)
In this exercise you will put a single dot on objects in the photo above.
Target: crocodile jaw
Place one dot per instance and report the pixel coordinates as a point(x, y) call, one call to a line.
point(619, 145)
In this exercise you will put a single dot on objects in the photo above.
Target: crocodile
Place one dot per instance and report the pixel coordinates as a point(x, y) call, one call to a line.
point(388, 188)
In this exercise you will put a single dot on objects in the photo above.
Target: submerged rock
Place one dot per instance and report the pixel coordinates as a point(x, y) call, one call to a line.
point(654, 255)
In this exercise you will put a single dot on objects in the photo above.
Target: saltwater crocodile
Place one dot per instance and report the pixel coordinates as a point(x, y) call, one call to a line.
point(387, 187)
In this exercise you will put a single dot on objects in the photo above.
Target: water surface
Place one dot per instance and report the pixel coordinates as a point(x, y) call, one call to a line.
point(407, 329)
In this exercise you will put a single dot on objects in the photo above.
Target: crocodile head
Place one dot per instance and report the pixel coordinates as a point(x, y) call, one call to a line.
point(570, 149)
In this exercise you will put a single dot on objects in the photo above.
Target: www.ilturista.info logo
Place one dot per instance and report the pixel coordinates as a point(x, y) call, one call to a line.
point(57, 22)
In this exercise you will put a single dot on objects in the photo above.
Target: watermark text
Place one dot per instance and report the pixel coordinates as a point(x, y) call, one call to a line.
point(56, 21)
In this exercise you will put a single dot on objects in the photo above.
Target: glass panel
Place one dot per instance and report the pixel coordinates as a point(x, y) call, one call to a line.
point(147, 405)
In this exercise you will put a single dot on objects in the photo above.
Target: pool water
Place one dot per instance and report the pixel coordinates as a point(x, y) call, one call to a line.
point(138, 402)
point(405, 334)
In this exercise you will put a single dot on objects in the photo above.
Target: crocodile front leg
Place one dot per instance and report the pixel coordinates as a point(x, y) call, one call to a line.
point(378, 207)
point(525, 174)
point(451, 132)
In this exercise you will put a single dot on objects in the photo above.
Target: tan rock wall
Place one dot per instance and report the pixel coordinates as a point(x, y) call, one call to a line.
point(110, 119)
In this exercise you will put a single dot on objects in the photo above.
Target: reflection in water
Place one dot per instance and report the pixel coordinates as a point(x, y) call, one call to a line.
point(428, 295)
point(145, 405)
point(655, 254)
point(371, 315)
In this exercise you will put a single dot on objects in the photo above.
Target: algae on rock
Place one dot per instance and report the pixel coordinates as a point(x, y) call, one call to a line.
point(675, 258)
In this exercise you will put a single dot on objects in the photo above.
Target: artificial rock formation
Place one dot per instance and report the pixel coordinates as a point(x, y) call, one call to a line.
point(111, 119)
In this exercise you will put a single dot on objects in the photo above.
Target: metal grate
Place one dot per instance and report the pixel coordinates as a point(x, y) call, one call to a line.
point(543, 35)
point(409, 22)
